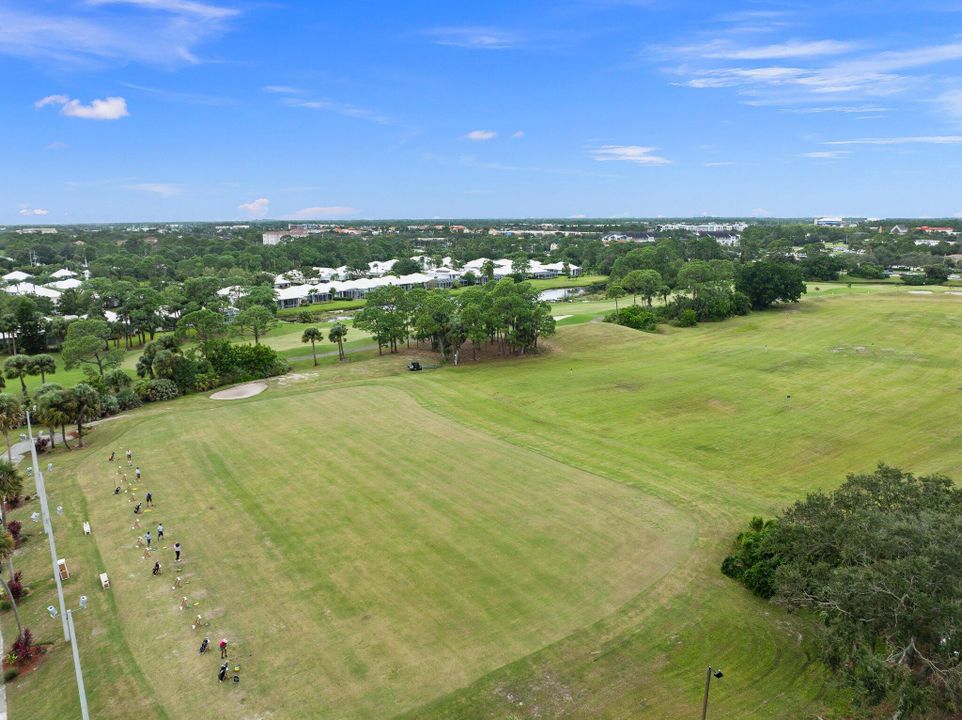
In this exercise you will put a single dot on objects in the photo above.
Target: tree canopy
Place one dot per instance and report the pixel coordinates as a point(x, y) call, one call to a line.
point(877, 561)
point(766, 282)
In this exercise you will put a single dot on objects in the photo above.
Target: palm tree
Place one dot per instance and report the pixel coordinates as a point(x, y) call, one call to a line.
point(336, 334)
point(312, 335)
point(11, 485)
point(47, 412)
point(9, 325)
point(11, 417)
point(55, 408)
point(41, 365)
point(18, 366)
point(7, 546)
point(86, 406)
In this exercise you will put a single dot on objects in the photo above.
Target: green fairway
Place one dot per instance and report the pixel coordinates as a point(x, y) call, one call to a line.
point(526, 538)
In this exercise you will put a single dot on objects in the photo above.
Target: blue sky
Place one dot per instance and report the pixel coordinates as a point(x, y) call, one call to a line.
point(126, 110)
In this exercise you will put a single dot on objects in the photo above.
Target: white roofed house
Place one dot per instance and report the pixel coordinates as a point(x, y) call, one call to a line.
point(25, 288)
point(291, 277)
point(66, 284)
point(380, 268)
point(17, 276)
point(325, 274)
point(62, 274)
point(297, 295)
point(559, 268)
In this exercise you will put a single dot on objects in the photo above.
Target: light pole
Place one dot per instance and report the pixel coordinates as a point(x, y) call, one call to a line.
point(66, 616)
point(718, 674)
point(81, 690)
point(47, 527)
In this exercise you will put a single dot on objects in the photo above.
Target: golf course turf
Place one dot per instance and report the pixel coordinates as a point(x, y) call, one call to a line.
point(523, 538)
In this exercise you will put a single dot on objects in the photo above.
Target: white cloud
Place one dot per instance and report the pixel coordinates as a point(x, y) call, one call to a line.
point(176, 7)
point(808, 78)
point(845, 109)
point(476, 38)
point(163, 189)
point(255, 208)
point(908, 140)
point(339, 108)
point(780, 51)
point(57, 145)
point(761, 212)
point(629, 153)
point(281, 89)
point(481, 135)
point(825, 154)
point(517, 134)
point(312, 213)
point(111, 108)
point(27, 211)
point(91, 34)
point(950, 103)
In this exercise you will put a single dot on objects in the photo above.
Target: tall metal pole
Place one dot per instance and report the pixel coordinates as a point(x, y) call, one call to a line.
point(704, 706)
point(76, 666)
point(48, 528)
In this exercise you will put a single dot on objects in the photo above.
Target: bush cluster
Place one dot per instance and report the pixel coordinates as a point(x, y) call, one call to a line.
point(634, 316)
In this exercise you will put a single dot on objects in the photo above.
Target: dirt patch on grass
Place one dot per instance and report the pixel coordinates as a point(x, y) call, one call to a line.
point(722, 406)
point(240, 392)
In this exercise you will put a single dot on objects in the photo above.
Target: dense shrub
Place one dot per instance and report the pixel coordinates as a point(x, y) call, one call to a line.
point(16, 586)
point(741, 303)
point(751, 561)
point(109, 405)
point(10, 674)
point(22, 646)
point(127, 399)
point(117, 380)
point(252, 362)
point(156, 390)
point(913, 279)
point(687, 318)
point(14, 527)
point(868, 271)
point(206, 381)
point(634, 316)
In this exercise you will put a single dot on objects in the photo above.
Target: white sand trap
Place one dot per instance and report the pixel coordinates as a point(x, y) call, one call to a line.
point(561, 317)
point(920, 292)
point(240, 391)
point(952, 292)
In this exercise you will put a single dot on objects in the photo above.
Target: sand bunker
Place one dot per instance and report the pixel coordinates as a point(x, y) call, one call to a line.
point(920, 292)
point(561, 317)
point(240, 391)
point(952, 292)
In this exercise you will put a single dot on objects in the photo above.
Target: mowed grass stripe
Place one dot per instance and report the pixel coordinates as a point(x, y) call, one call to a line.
point(703, 417)
point(398, 555)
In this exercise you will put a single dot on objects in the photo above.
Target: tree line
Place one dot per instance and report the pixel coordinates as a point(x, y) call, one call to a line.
point(506, 314)
point(701, 291)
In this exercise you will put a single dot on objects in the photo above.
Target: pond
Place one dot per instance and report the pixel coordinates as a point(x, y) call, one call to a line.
point(560, 294)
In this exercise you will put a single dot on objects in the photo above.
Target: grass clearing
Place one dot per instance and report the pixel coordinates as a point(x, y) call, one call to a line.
point(525, 538)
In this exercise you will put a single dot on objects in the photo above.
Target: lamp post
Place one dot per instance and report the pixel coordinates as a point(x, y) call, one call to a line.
point(81, 690)
point(66, 616)
point(708, 675)
point(47, 527)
